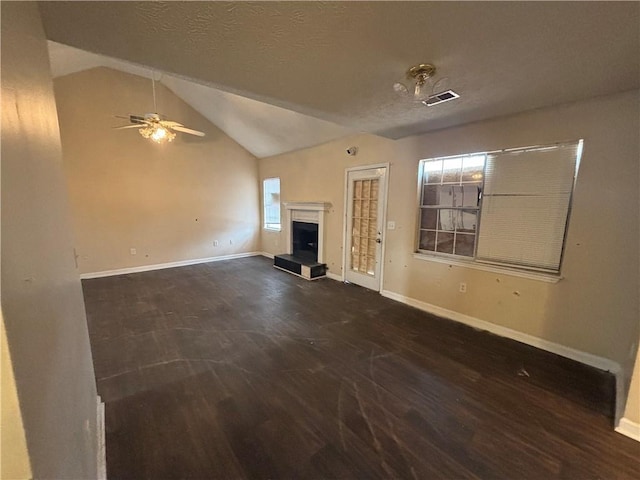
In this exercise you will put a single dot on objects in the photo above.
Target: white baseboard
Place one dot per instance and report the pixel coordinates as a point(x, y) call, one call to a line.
point(160, 266)
point(334, 276)
point(267, 254)
point(568, 352)
point(101, 441)
point(629, 428)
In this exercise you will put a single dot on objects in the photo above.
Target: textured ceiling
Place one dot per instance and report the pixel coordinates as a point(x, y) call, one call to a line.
point(262, 129)
point(336, 61)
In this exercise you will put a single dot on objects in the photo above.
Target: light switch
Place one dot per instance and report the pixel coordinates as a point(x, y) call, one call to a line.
point(391, 225)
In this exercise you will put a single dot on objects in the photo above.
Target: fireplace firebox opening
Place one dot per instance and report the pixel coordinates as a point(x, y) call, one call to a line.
point(305, 240)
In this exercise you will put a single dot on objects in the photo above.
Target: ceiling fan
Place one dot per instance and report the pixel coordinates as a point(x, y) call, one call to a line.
point(155, 126)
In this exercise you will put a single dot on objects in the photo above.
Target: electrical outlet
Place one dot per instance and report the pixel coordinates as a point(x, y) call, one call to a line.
point(391, 225)
point(463, 287)
point(216, 243)
point(132, 251)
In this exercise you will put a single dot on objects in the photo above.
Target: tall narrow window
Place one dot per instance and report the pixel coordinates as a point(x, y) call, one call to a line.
point(271, 189)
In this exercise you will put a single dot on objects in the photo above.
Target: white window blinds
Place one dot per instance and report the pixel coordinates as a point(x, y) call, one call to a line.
point(525, 205)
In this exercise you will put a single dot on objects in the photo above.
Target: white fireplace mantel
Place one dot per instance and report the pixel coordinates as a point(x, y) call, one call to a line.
point(312, 206)
point(312, 212)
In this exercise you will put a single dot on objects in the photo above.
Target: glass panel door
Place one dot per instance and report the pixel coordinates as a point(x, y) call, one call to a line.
point(365, 194)
point(364, 226)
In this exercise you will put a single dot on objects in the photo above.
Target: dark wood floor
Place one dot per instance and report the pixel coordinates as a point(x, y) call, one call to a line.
point(237, 370)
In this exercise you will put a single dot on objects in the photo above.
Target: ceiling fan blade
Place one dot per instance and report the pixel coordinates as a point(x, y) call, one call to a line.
point(122, 127)
point(180, 128)
point(136, 120)
point(170, 124)
point(139, 119)
point(130, 116)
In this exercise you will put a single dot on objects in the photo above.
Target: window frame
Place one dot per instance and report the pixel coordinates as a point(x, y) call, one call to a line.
point(472, 261)
point(274, 227)
point(477, 208)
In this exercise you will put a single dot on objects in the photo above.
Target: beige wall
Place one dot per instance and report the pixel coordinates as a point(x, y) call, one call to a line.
point(594, 309)
point(317, 174)
point(41, 293)
point(14, 457)
point(169, 202)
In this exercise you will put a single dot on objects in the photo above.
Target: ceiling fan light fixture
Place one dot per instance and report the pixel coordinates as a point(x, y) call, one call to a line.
point(153, 126)
point(157, 133)
point(421, 72)
point(418, 75)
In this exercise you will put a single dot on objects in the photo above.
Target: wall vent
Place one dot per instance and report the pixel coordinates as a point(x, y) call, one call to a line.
point(437, 98)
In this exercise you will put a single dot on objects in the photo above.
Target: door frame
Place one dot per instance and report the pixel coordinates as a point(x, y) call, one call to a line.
point(345, 237)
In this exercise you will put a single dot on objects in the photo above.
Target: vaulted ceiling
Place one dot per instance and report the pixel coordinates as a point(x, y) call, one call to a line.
point(262, 129)
point(286, 65)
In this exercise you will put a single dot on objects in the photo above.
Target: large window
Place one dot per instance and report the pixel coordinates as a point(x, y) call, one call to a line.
point(507, 208)
point(450, 204)
point(271, 189)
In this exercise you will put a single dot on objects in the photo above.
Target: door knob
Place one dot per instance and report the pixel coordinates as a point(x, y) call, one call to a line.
point(378, 240)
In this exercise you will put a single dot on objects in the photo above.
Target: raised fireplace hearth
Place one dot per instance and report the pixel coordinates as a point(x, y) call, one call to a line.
point(305, 240)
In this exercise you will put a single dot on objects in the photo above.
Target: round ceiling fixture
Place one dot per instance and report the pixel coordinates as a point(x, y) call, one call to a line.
point(419, 74)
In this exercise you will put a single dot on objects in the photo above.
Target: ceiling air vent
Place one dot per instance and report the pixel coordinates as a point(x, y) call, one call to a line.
point(437, 98)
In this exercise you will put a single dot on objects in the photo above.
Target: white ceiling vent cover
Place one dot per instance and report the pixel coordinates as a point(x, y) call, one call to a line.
point(441, 97)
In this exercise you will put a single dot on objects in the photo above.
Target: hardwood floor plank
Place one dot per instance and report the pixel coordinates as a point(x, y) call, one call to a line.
point(237, 370)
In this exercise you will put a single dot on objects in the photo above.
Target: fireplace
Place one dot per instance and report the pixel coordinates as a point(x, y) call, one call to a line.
point(304, 238)
point(305, 245)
